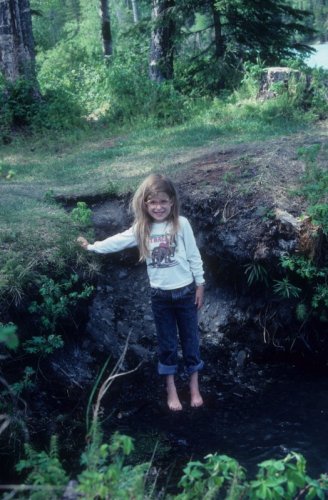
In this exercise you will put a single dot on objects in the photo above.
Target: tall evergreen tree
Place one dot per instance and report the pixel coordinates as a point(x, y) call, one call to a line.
point(264, 29)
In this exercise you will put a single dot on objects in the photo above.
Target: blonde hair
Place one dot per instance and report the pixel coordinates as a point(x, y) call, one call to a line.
point(150, 187)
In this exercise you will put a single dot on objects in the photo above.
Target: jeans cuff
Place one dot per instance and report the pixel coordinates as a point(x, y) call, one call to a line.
point(195, 368)
point(166, 369)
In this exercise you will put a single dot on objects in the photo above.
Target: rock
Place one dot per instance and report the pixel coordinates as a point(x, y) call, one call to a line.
point(71, 367)
point(241, 359)
point(276, 80)
point(70, 492)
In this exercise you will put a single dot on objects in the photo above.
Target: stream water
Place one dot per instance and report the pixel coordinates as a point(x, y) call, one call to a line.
point(262, 413)
point(320, 57)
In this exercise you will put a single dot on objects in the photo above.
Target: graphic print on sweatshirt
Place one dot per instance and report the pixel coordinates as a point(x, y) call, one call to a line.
point(162, 250)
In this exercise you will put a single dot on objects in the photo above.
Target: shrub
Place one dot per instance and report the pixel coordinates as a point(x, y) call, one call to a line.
point(8, 335)
point(312, 289)
point(314, 185)
point(106, 475)
point(46, 474)
point(57, 300)
point(82, 214)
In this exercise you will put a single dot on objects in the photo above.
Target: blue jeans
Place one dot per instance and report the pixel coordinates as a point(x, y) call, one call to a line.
point(175, 312)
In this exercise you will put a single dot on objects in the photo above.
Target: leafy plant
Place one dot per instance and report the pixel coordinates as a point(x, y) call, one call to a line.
point(25, 383)
point(106, 475)
point(256, 272)
point(82, 213)
point(43, 345)
point(57, 301)
point(302, 312)
point(315, 286)
point(8, 335)
point(286, 289)
point(315, 186)
point(45, 472)
point(320, 296)
point(303, 267)
point(222, 477)
point(208, 479)
point(286, 478)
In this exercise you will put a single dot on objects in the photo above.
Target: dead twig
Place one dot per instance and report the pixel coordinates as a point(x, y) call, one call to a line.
point(110, 379)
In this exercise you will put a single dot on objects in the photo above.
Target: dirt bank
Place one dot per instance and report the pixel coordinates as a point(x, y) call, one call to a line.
point(242, 204)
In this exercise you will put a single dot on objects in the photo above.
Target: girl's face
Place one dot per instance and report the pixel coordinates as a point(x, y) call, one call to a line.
point(159, 207)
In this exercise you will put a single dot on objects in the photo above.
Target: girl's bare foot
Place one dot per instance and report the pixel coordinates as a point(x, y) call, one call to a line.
point(173, 400)
point(196, 399)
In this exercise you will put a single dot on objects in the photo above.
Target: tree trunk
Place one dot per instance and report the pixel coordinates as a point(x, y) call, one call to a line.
point(17, 56)
point(105, 28)
point(219, 43)
point(161, 52)
point(135, 11)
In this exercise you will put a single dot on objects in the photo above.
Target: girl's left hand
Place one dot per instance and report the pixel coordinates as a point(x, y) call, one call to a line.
point(199, 298)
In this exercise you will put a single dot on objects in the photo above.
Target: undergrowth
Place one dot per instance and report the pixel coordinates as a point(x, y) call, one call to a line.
point(106, 473)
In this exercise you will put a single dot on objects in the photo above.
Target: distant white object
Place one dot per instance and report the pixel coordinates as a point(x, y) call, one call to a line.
point(320, 57)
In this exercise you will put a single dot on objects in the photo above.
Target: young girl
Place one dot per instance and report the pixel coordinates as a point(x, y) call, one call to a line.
point(175, 270)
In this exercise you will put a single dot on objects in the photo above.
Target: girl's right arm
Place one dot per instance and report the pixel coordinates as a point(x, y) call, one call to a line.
point(115, 243)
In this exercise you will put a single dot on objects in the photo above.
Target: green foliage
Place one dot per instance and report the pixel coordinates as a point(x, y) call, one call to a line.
point(43, 345)
point(318, 92)
point(264, 29)
point(286, 478)
point(320, 297)
point(19, 103)
point(205, 75)
point(315, 185)
point(255, 273)
point(319, 213)
point(82, 214)
point(118, 92)
point(26, 383)
point(45, 472)
point(302, 312)
point(309, 153)
point(286, 289)
point(15, 275)
point(8, 335)
point(57, 300)
point(106, 475)
point(222, 477)
point(58, 111)
point(249, 85)
point(78, 86)
point(319, 11)
point(314, 286)
point(302, 266)
point(208, 479)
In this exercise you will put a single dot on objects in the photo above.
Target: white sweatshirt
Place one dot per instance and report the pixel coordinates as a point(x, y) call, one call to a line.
point(173, 262)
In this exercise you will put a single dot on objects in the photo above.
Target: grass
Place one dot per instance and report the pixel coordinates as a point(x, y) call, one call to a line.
point(39, 235)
